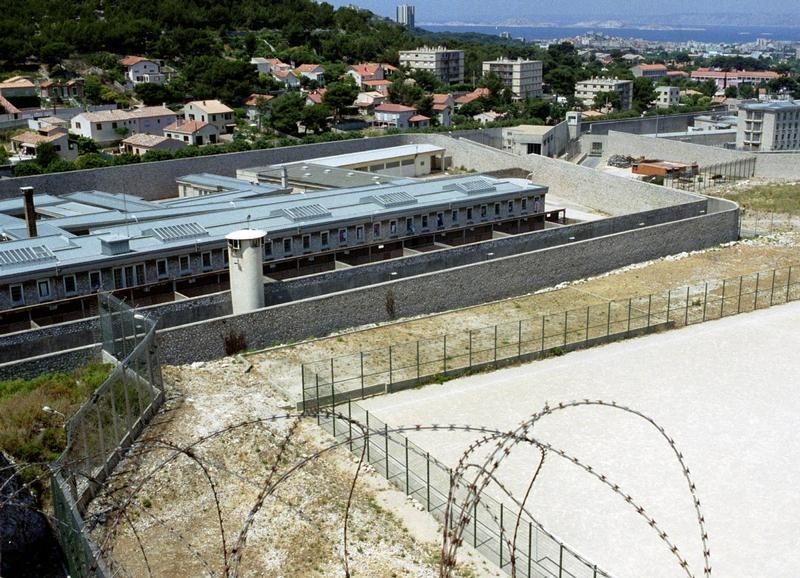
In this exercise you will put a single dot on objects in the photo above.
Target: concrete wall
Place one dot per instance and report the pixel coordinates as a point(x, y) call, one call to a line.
point(709, 138)
point(646, 125)
point(619, 143)
point(157, 180)
point(50, 363)
point(778, 165)
point(582, 185)
point(458, 287)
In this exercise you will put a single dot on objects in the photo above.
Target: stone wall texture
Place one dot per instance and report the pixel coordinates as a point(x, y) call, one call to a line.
point(625, 144)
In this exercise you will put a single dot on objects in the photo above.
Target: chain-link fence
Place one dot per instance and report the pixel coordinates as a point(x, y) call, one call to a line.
point(755, 223)
point(413, 363)
point(104, 427)
point(713, 175)
point(538, 554)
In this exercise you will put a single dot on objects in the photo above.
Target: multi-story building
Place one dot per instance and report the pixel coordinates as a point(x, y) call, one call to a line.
point(139, 69)
point(92, 241)
point(724, 79)
point(107, 126)
point(667, 96)
point(651, 71)
point(405, 15)
point(586, 90)
point(768, 126)
point(25, 145)
point(523, 77)
point(446, 65)
point(212, 112)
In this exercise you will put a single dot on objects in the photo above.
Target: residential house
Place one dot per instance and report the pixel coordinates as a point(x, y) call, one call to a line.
point(471, 97)
point(139, 69)
point(269, 65)
point(724, 79)
point(109, 126)
point(381, 86)
point(60, 91)
point(47, 122)
point(631, 57)
point(17, 87)
point(677, 74)
point(586, 90)
point(315, 96)
point(369, 71)
point(652, 71)
point(192, 132)
point(287, 78)
point(251, 105)
point(7, 110)
point(446, 65)
point(603, 58)
point(367, 101)
point(419, 121)
point(139, 144)
point(667, 96)
point(443, 106)
point(488, 116)
point(522, 77)
point(390, 115)
point(315, 72)
point(25, 145)
point(212, 112)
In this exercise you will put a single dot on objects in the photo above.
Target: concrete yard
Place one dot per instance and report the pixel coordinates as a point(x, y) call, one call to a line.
point(724, 391)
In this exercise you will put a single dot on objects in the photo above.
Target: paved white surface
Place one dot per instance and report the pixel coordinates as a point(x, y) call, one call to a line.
point(726, 391)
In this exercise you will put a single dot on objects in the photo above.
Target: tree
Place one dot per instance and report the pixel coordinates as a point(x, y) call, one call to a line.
point(153, 94)
point(46, 154)
point(315, 117)
point(746, 91)
point(606, 100)
point(340, 95)
point(731, 92)
point(209, 77)
point(287, 111)
point(643, 93)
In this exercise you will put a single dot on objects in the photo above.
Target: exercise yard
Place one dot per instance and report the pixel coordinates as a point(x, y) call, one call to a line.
point(724, 391)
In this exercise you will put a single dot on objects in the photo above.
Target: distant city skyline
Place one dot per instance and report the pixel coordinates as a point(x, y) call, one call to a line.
point(778, 12)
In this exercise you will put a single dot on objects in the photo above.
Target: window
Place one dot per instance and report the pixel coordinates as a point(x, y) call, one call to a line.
point(17, 296)
point(77, 125)
point(483, 211)
point(454, 216)
point(360, 233)
point(409, 225)
point(268, 248)
point(183, 264)
point(161, 268)
point(226, 257)
point(99, 126)
point(524, 204)
point(537, 205)
point(323, 239)
point(95, 281)
point(392, 227)
point(70, 285)
point(440, 219)
point(306, 242)
point(206, 260)
point(342, 235)
point(140, 276)
point(469, 213)
point(424, 221)
point(510, 207)
point(113, 125)
point(43, 287)
point(497, 209)
point(376, 230)
point(287, 246)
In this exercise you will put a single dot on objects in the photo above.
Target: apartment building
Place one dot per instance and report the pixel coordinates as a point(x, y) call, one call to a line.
point(109, 126)
point(667, 96)
point(586, 90)
point(724, 79)
point(446, 65)
point(522, 77)
point(405, 15)
point(652, 71)
point(768, 126)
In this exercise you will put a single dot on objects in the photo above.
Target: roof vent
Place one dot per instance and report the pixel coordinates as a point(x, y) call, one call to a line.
point(395, 199)
point(303, 212)
point(115, 244)
point(177, 232)
point(472, 186)
point(26, 256)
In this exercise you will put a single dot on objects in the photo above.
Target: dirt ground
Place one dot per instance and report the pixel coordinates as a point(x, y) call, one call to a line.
point(199, 468)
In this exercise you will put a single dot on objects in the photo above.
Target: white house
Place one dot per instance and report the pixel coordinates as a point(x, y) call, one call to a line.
point(393, 115)
point(108, 126)
point(287, 78)
point(313, 72)
point(443, 106)
point(139, 69)
point(367, 71)
point(212, 112)
point(192, 132)
point(667, 96)
point(251, 105)
point(269, 65)
point(24, 145)
point(139, 144)
point(367, 101)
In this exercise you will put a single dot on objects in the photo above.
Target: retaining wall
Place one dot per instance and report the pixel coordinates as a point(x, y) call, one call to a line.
point(778, 165)
point(619, 143)
point(458, 287)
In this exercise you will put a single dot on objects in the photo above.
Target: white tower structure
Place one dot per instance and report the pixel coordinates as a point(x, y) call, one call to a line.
point(245, 257)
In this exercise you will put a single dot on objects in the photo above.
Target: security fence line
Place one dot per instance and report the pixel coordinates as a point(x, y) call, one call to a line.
point(104, 427)
point(410, 364)
point(755, 223)
point(538, 554)
point(713, 175)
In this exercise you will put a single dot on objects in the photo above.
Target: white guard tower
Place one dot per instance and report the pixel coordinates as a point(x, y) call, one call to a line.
point(245, 249)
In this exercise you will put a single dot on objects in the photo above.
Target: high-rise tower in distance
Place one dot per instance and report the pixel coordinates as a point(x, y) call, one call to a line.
point(405, 15)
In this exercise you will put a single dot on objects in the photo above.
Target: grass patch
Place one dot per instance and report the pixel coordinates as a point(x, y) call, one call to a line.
point(768, 198)
point(29, 434)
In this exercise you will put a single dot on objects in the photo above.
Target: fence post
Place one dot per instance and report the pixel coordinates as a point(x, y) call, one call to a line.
point(669, 298)
point(739, 304)
point(475, 525)
point(302, 381)
point(408, 492)
point(390, 366)
point(428, 480)
point(317, 376)
point(705, 301)
point(772, 288)
point(386, 448)
point(417, 360)
point(630, 301)
point(587, 325)
point(542, 347)
point(649, 305)
point(501, 535)
point(349, 424)
point(566, 320)
point(686, 316)
point(495, 343)
point(444, 352)
point(755, 297)
point(788, 283)
point(362, 375)
point(333, 408)
point(560, 560)
point(722, 305)
point(470, 348)
point(530, 547)
point(608, 320)
point(333, 379)
point(519, 337)
point(366, 437)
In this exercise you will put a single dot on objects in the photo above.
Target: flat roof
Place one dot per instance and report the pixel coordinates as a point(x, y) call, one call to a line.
point(373, 155)
point(772, 105)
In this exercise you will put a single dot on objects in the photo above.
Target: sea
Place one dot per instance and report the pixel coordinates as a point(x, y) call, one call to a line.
point(706, 34)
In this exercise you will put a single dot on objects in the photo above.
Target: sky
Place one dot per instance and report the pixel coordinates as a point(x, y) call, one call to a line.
point(574, 10)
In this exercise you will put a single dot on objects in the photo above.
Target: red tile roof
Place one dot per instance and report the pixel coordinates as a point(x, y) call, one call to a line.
point(252, 100)
point(391, 107)
point(186, 126)
point(652, 67)
point(418, 118)
point(131, 60)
